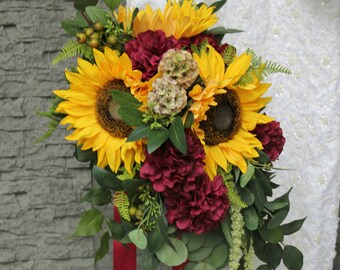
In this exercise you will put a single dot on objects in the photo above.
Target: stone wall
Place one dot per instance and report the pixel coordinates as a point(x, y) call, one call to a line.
point(40, 184)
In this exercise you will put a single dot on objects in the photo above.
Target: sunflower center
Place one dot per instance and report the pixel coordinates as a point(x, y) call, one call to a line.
point(106, 110)
point(223, 120)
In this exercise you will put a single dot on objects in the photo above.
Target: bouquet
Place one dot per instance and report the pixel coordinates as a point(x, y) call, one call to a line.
point(171, 120)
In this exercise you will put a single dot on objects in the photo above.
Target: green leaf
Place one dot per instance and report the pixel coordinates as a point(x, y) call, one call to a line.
point(97, 196)
point(156, 138)
point(277, 219)
point(218, 5)
point(246, 195)
point(214, 238)
point(272, 236)
point(292, 258)
point(177, 135)
point(96, 14)
point(130, 185)
point(263, 267)
point(204, 266)
point(256, 189)
point(220, 30)
point(245, 177)
point(259, 245)
point(112, 4)
point(125, 99)
point(82, 4)
point(103, 248)
point(106, 179)
point(170, 257)
point(263, 158)
point(115, 228)
point(281, 202)
point(190, 266)
point(72, 26)
point(195, 241)
point(138, 238)
point(156, 238)
point(226, 228)
point(293, 226)
point(149, 260)
point(84, 155)
point(90, 223)
point(200, 254)
point(138, 133)
point(265, 182)
point(218, 256)
point(251, 218)
point(189, 121)
point(131, 116)
point(273, 255)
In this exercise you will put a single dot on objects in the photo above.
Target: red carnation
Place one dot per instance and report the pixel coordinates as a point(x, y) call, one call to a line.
point(271, 138)
point(167, 168)
point(201, 209)
point(197, 40)
point(146, 50)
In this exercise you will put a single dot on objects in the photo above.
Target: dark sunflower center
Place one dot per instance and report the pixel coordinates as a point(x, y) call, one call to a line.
point(223, 120)
point(106, 110)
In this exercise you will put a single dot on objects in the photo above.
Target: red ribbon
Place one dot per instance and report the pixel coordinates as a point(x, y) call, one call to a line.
point(180, 267)
point(124, 256)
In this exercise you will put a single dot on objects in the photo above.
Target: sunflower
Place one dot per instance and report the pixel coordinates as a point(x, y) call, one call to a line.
point(124, 16)
point(93, 115)
point(182, 20)
point(225, 112)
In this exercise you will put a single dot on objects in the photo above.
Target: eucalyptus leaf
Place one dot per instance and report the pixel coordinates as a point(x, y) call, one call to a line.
point(251, 218)
point(130, 185)
point(171, 257)
point(221, 31)
point(214, 238)
point(200, 254)
point(156, 139)
point(245, 177)
point(263, 267)
point(106, 179)
point(263, 158)
point(131, 116)
point(195, 241)
point(177, 135)
point(103, 248)
point(96, 14)
point(277, 219)
point(218, 256)
point(259, 245)
point(82, 4)
point(115, 228)
point(97, 196)
point(265, 182)
point(190, 265)
point(292, 258)
point(138, 238)
point(156, 238)
point(246, 196)
point(256, 189)
point(217, 5)
point(273, 255)
point(282, 202)
point(140, 132)
point(293, 226)
point(204, 266)
point(90, 223)
point(272, 236)
point(226, 228)
point(72, 27)
point(149, 260)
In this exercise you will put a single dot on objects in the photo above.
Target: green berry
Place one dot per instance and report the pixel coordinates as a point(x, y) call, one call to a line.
point(112, 40)
point(139, 214)
point(94, 43)
point(81, 37)
point(98, 26)
point(89, 32)
point(95, 36)
point(132, 211)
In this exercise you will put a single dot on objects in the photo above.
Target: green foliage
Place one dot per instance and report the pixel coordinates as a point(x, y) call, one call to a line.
point(249, 255)
point(96, 14)
point(106, 179)
point(218, 5)
point(121, 201)
point(112, 4)
point(153, 211)
point(170, 256)
point(177, 135)
point(273, 67)
point(229, 54)
point(199, 49)
point(82, 4)
point(84, 155)
point(103, 248)
point(292, 258)
point(97, 196)
point(54, 119)
point(137, 237)
point(237, 233)
point(115, 228)
point(71, 49)
point(90, 223)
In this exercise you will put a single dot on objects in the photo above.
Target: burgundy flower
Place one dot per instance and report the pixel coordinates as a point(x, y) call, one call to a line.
point(197, 40)
point(271, 138)
point(146, 50)
point(201, 209)
point(167, 168)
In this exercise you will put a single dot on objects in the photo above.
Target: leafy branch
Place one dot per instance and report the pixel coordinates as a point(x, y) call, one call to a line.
point(73, 48)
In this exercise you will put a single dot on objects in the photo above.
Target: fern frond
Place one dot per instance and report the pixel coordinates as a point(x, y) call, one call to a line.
point(229, 54)
point(121, 201)
point(273, 67)
point(54, 119)
point(73, 48)
point(201, 47)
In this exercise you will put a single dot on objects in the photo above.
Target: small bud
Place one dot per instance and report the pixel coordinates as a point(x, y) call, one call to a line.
point(81, 37)
point(89, 32)
point(94, 43)
point(98, 26)
point(112, 40)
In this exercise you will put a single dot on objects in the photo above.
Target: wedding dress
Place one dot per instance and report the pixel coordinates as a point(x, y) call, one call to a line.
point(304, 36)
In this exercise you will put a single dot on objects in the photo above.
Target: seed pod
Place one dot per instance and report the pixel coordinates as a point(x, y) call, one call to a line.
point(81, 37)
